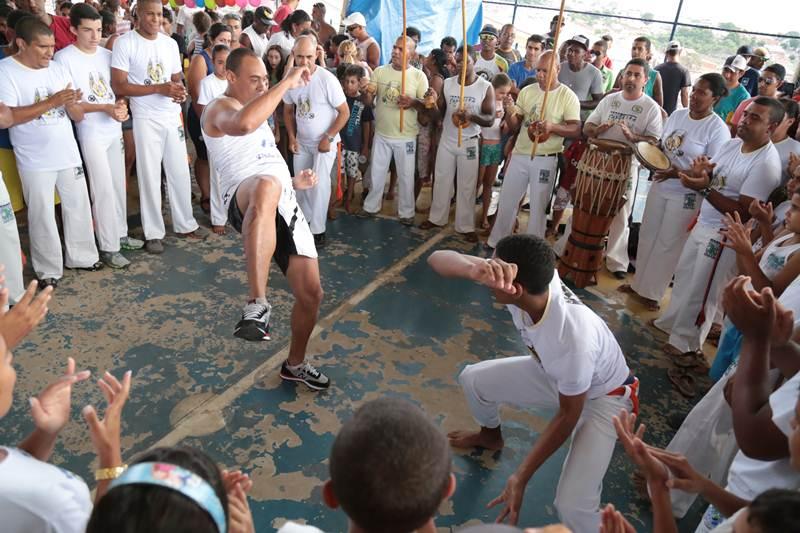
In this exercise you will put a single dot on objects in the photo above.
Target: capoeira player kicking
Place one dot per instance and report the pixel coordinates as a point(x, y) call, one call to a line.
point(258, 193)
point(576, 367)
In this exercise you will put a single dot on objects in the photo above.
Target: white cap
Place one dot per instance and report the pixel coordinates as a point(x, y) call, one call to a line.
point(737, 63)
point(673, 45)
point(355, 19)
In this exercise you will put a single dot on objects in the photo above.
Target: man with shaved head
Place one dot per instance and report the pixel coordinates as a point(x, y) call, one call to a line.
point(314, 114)
point(259, 195)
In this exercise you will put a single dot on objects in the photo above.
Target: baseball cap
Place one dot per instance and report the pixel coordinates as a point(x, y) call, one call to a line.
point(580, 40)
point(777, 69)
point(736, 62)
point(263, 14)
point(489, 30)
point(762, 53)
point(673, 45)
point(355, 19)
point(745, 51)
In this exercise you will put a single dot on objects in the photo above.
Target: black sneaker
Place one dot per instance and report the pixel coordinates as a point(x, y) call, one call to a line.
point(47, 282)
point(313, 378)
point(254, 325)
point(319, 240)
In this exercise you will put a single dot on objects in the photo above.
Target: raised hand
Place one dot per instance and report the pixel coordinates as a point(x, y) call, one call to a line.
point(495, 274)
point(737, 234)
point(757, 315)
point(105, 432)
point(297, 77)
point(612, 521)
point(50, 409)
point(240, 519)
point(762, 212)
point(684, 476)
point(305, 179)
point(65, 97)
point(693, 182)
point(31, 309)
point(511, 499)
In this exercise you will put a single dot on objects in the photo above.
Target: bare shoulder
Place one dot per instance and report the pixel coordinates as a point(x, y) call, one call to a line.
point(217, 111)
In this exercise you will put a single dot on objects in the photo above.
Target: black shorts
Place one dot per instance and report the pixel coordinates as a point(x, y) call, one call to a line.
point(284, 233)
point(196, 135)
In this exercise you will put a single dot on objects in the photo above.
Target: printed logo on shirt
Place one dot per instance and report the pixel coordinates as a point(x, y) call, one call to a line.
point(616, 116)
point(690, 201)
point(615, 104)
point(713, 248)
point(6, 213)
point(411, 147)
point(544, 175)
point(303, 109)
point(775, 262)
point(718, 181)
point(99, 88)
point(569, 296)
point(354, 122)
point(636, 108)
point(391, 94)
point(155, 72)
point(79, 173)
point(469, 101)
point(53, 115)
point(674, 142)
point(472, 152)
point(181, 133)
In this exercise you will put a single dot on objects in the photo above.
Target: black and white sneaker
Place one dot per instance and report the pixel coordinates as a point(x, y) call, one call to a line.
point(313, 378)
point(254, 325)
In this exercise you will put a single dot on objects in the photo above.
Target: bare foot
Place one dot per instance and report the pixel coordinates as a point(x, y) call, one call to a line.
point(389, 196)
point(219, 230)
point(485, 438)
point(331, 213)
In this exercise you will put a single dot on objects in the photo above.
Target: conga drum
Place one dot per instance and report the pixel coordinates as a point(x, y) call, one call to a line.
point(602, 179)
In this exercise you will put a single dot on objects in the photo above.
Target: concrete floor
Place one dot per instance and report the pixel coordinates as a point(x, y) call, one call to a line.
point(388, 326)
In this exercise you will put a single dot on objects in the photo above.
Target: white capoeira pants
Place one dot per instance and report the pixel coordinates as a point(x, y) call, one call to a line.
point(105, 165)
point(39, 190)
point(314, 201)
point(405, 158)
point(691, 279)
point(163, 141)
point(219, 215)
point(10, 251)
point(522, 382)
point(454, 163)
point(534, 176)
point(617, 247)
point(664, 231)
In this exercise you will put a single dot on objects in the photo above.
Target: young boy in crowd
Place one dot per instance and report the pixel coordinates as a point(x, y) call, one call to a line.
point(357, 133)
point(389, 496)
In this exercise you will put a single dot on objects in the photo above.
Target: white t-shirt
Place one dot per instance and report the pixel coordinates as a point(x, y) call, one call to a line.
point(37, 496)
point(92, 75)
point(45, 143)
point(684, 139)
point(184, 19)
point(474, 95)
point(755, 175)
point(790, 299)
point(747, 478)
point(487, 68)
point(784, 148)
point(315, 105)
point(148, 62)
point(291, 527)
point(282, 39)
point(573, 344)
point(210, 87)
point(643, 116)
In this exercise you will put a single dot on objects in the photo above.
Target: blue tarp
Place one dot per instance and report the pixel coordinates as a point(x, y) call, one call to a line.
point(435, 19)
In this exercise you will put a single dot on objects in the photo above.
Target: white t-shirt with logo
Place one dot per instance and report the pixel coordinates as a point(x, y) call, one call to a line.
point(148, 62)
point(643, 116)
point(315, 105)
point(487, 68)
point(474, 95)
point(210, 87)
point(685, 138)
point(46, 143)
point(747, 478)
point(37, 496)
point(573, 344)
point(92, 75)
point(738, 174)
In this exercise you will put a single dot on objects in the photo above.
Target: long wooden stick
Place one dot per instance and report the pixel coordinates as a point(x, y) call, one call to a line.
point(463, 65)
point(550, 72)
point(403, 72)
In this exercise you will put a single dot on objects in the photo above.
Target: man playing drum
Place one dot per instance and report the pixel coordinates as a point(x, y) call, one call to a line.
point(536, 175)
point(625, 116)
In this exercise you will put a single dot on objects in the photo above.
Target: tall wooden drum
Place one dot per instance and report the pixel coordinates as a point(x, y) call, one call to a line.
point(602, 180)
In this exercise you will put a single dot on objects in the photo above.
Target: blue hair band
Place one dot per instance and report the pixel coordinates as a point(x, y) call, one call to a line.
point(180, 480)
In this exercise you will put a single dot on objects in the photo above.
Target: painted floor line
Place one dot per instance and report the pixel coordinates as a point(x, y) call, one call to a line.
point(196, 421)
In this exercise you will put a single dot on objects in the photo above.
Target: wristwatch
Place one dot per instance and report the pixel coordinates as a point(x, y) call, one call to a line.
point(331, 139)
point(705, 191)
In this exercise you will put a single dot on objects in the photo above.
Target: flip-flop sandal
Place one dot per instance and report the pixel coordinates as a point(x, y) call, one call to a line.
point(682, 381)
point(652, 324)
point(651, 305)
point(691, 360)
point(626, 288)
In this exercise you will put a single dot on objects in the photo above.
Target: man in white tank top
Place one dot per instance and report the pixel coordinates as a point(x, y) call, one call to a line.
point(259, 196)
point(370, 50)
point(450, 157)
point(256, 36)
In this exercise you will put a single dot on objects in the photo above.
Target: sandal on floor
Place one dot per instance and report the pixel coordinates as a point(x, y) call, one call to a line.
point(650, 305)
point(683, 381)
point(690, 360)
point(626, 288)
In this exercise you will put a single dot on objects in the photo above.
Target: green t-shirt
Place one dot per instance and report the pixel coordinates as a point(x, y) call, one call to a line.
point(727, 105)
